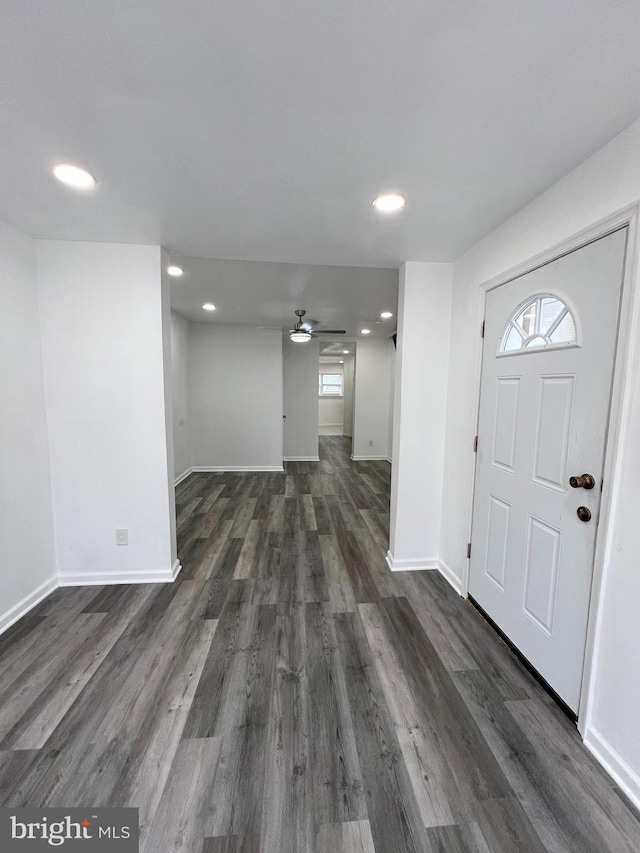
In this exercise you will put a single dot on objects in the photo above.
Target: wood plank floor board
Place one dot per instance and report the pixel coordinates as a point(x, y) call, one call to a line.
point(63, 603)
point(287, 812)
point(226, 645)
point(338, 583)
point(470, 758)
point(451, 650)
point(242, 725)
point(232, 844)
point(289, 694)
point(348, 837)
point(206, 525)
point(510, 679)
point(363, 585)
point(440, 798)
point(307, 512)
point(188, 803)
point(248, 557)
point(462, 838)
point(337, 791)
point(19, 699)
point(142, 781)
point(324, 524)
point(393, 812)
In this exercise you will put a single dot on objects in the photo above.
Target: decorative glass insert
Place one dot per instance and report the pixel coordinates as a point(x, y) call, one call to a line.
point(544, 321)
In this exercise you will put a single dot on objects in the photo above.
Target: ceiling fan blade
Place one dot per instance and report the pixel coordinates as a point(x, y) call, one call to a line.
point(328, 332)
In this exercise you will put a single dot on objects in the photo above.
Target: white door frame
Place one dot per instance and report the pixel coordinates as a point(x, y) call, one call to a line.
point(626, 355)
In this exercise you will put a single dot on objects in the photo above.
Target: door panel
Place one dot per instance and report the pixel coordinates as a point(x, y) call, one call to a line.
point(553, 425)
point(550, 339)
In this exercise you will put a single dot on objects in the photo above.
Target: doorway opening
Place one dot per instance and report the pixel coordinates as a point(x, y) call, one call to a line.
point(336, 388)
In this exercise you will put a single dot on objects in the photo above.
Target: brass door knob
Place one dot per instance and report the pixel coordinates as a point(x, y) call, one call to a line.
point(584, 513)
point(585, 481)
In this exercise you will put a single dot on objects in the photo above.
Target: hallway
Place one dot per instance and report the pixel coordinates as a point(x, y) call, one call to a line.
point(288, 693)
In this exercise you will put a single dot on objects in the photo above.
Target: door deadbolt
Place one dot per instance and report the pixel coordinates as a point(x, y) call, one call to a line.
point(583, 513)
point(585, 481)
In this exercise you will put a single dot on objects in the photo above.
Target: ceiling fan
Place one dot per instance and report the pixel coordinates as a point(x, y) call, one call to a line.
point(303, 332)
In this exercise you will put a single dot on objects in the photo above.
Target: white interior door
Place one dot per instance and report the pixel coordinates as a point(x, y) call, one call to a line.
point(550, 339)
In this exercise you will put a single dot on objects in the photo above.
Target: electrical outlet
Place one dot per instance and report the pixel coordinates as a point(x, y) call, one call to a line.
point(122, 535)
point(370, 444)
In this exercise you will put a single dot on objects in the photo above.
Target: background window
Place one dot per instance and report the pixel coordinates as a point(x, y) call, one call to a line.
point(330, 385)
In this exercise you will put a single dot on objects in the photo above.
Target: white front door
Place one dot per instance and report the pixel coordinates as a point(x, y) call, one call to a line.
point(550, 340)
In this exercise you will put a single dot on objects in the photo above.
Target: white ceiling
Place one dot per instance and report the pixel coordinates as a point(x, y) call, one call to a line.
point(262, 130)
point(267, 294)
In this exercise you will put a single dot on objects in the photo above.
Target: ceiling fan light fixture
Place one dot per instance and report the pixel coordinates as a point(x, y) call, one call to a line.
point(300, 337)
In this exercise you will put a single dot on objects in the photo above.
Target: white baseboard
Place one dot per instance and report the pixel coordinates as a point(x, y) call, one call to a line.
point(203, 469)
point(329, 425)
point(83, 579)
point(389, 460)
point(183, 476)
point(416, 564)
point(626, 778)
point(109, 578)
point(369, 458)
point(450, 576)
point(301, 458)
point(27, 603)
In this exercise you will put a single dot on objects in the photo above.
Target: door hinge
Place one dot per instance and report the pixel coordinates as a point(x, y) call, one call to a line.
point(475, 444)
point(469, 551)
point(482, 330)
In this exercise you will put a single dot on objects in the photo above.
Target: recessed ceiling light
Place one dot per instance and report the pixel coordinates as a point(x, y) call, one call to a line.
point(74, 176)
point(176, 272)
point(341, 361)
point(388, 202)
point(386, 315)
point(345, 351)
point(209, 306)
point(365, 331)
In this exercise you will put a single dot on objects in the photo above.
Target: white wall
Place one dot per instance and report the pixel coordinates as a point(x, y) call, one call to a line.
point(330, 409)
point(102, 340)
point(26, 526)
point(349, 388)
point(331, 412)
point(300, 399)
point(602, 185)
point(180, 329)
point(375, 359)
point(424, 313)
point(235, 397)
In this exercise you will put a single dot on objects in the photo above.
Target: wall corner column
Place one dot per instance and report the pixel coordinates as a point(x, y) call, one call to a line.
point(419, 417)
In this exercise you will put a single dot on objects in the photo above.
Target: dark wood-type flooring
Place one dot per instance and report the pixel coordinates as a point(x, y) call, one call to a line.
point(289, 694)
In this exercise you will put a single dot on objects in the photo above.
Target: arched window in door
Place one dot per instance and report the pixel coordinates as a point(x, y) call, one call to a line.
point(542, 321)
